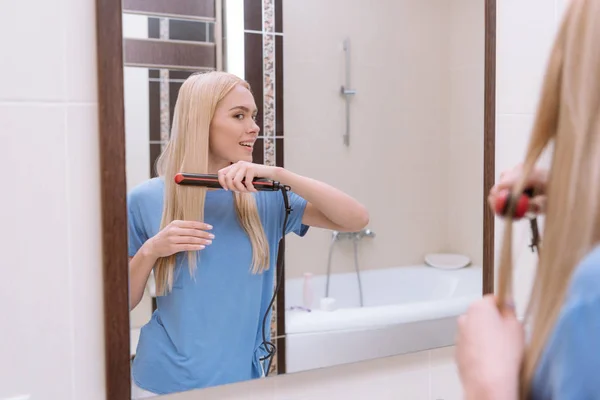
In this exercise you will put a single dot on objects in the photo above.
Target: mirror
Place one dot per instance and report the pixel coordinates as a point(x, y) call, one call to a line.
point(384, 101)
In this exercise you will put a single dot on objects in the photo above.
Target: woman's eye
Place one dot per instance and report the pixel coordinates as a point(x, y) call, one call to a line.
point(239, 116)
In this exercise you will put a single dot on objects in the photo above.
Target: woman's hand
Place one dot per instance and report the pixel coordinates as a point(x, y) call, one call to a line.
point(231, 177)
point(537, 180)
point(179, 236)
point(489, 351)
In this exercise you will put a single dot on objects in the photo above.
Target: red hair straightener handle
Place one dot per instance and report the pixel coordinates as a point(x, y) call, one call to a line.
point(521, 208)
point(212, 181)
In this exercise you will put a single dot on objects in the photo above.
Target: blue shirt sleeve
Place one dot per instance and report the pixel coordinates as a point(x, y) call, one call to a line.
point(136, 234)
point(294, 222)
point(575, 353)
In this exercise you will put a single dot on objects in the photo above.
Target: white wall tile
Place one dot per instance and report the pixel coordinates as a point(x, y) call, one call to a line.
point(81, 57)
point(54, 348)
point(467, 44)
point(38, 299)
point(85, 251)
point(512, 138)
point(32, 66)
point(464, 167)
point(525, 34)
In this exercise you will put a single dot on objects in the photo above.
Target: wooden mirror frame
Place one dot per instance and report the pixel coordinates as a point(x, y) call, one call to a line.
point(111, 116)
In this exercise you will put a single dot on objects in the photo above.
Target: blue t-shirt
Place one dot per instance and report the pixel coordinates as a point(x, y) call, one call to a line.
point(570, 365)
point(208, 330)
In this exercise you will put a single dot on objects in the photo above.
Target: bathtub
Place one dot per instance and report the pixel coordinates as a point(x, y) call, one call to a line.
point(406, 309)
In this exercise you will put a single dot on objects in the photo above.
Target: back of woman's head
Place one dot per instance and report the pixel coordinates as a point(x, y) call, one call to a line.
point(188, 151)
point(568, 116)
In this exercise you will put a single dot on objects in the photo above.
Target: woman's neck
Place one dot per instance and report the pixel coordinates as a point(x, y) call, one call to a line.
point(215, 167)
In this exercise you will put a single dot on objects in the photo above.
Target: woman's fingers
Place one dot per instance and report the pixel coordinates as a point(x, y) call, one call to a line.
point(250, 175)
point(189, 247)
point(228, 175)
point(537, 179)
point(192, 225)
point(191, 240)
point(237, 180)
point(221, 177)
point(537, 204)
point(193, 232)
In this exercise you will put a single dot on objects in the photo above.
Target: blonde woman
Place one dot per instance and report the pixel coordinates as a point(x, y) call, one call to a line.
point(559, 358)
point(214, 251)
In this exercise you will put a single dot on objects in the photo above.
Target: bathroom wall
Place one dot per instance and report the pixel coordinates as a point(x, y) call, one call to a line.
point(137, 114)
point(416, 153)
point(464, 136)
point(52, 336)
point(526, 32)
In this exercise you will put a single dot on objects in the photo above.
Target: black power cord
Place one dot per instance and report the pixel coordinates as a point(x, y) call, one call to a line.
point(533, 225)
point(270, 348)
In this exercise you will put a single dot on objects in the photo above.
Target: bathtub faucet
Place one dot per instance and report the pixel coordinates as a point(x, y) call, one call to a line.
point(355, 237)
point(336, 235)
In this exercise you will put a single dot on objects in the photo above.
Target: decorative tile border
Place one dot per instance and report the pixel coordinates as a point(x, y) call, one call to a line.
point(269, 15)
point(165, 117)
point(269, 81)
point(274, 367)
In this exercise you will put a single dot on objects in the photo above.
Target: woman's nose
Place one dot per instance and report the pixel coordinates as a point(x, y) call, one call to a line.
point(255, 127)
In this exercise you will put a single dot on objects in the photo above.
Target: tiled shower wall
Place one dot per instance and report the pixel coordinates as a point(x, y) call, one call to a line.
point(415, 157)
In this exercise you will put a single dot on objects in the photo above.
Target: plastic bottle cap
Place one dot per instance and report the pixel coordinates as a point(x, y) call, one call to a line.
point(327, 303)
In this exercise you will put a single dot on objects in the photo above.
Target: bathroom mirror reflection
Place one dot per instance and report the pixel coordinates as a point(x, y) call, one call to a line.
point(384, 101)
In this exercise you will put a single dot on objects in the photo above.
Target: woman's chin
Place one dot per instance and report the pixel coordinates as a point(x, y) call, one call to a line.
point(245, 157)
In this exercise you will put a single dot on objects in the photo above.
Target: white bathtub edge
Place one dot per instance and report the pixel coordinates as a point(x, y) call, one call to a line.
point(317, 321)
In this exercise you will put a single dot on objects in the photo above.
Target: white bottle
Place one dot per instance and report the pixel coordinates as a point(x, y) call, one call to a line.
point(308, 291)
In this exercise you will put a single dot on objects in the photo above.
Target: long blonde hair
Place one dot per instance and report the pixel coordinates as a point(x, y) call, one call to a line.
point(188, 151)
point(569, 115)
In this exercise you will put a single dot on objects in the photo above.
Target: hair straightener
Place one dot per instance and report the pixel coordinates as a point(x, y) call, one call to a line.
point(212, 181)
point(521, 207)
point(261, 184)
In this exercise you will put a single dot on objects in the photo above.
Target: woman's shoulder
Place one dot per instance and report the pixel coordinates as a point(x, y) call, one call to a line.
point(148, 188)
point(569, 364)
point(585, 281)
point(146, 197)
